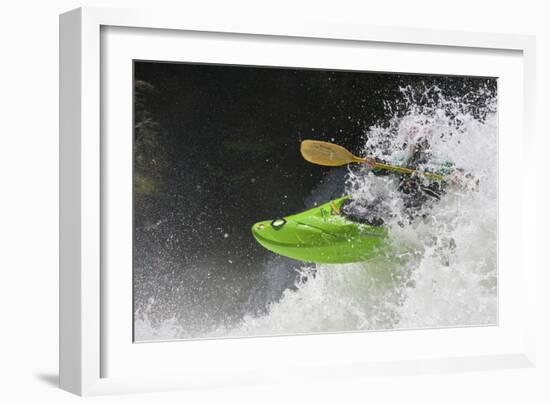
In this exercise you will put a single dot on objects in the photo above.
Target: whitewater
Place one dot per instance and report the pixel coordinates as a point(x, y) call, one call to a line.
point(448, 275)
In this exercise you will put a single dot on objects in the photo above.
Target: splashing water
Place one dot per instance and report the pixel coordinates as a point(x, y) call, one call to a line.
point(448, 277)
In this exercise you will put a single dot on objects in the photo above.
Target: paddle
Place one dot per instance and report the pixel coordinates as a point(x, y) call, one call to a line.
point(333, 155)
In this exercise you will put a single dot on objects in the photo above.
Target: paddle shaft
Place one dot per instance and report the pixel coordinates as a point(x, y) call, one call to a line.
point(396, 168)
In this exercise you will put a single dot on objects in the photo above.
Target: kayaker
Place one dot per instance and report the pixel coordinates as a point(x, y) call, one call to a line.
point(417, 191)
point(421, 181)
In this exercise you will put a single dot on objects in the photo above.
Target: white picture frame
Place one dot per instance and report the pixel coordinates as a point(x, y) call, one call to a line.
point(85, 344)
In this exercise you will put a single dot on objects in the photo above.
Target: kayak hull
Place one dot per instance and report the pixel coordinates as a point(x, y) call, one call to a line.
point(322, 235)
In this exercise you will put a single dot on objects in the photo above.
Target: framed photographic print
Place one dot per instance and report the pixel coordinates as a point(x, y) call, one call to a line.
point(319, 198)
point(221, 245)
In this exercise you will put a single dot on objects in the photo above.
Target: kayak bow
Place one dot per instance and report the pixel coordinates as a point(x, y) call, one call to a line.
point(323, 234)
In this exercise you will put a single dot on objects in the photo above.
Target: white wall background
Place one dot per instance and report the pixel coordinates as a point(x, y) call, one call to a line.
point(29, 201)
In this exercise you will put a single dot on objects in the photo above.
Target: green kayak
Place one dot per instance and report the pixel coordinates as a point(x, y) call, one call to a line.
point(323, 234)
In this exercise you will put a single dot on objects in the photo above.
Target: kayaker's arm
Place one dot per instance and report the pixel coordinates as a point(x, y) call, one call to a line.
point(378, 171)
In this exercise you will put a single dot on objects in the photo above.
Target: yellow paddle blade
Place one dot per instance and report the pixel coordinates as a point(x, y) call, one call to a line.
point(328, 154)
